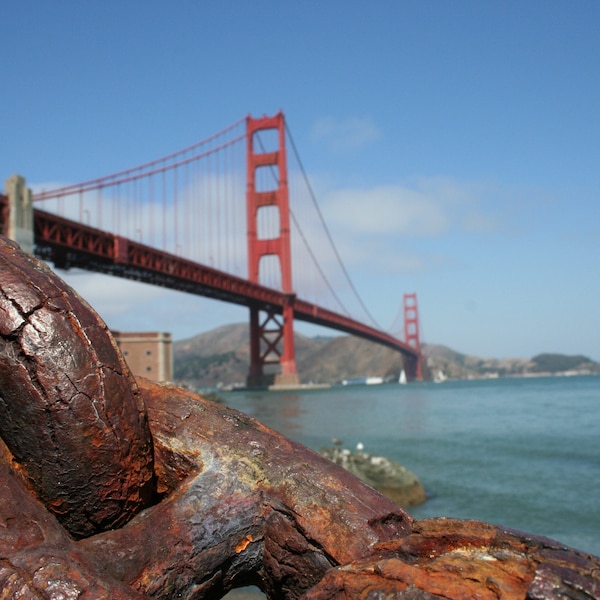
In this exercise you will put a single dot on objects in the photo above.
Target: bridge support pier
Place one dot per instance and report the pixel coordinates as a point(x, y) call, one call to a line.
point(20, 212)
point(412, 365)
point(413, 368)
point(272, 341)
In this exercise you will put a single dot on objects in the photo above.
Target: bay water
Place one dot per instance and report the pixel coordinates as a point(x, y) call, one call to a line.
point(518, 452)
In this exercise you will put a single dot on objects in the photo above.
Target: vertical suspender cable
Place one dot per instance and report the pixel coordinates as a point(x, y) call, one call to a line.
point(99, 213)
point(176, 245)
point(186, 212)
point(328, 233)
point(150, 210)
point(210, 224)
point(226, 194)
point(134, 209)
point(164, 211)
point(219, 211)
point(117, 209)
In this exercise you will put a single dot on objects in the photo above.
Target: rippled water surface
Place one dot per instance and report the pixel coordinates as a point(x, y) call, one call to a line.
point(524, 453)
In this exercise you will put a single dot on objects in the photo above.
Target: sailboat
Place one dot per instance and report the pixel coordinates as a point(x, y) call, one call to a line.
point(402, 378)
point(440, 377)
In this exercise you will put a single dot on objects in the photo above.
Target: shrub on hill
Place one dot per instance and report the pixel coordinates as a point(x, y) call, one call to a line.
point(190, 368)
point(556, 363)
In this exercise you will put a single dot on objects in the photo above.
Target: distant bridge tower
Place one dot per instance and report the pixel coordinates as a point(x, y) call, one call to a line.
point(272, 334)
point(412, 365)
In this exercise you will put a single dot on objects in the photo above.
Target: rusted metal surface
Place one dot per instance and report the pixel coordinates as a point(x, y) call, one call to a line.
point(273, 512)
point(38, 558)
point(461, 559)
point(174, 496)
point(70, 411)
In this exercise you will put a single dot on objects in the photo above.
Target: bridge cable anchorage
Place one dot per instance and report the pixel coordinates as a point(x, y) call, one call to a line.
point(328, 233)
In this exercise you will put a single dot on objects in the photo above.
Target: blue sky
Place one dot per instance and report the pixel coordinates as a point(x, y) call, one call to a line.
point(454, 146)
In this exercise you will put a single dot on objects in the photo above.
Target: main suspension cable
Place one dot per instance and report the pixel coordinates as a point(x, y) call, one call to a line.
point(329, 236)
point(307, 245)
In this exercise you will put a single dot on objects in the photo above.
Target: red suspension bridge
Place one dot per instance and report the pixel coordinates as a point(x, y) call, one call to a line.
point(223, 218)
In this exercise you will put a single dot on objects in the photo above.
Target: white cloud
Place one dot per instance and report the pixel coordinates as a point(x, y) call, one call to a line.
point(413, 227)
point(379, 231)
point(111, 296)
point(479, 223)
point(347, 134)
point(423, 208)
point(386, 210)
point(127, 305)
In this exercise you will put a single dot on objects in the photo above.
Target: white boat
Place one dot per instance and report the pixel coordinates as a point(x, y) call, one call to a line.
point(363, 381)
point(402, 379)
point(439, 377)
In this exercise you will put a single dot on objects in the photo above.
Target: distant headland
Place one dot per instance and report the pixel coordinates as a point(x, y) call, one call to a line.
point(220, 357)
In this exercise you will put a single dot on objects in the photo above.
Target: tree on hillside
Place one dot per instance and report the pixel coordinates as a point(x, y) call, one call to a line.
point(555, 363)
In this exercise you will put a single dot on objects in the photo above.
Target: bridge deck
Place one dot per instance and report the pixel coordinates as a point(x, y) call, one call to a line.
point(68, 244)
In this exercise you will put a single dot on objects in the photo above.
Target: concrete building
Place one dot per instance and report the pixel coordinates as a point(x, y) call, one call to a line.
point(148, 354)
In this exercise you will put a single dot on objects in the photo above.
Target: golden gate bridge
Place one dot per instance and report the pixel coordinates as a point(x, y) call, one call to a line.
point(224, 218)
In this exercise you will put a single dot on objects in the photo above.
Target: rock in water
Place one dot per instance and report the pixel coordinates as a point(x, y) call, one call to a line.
point(387, 476)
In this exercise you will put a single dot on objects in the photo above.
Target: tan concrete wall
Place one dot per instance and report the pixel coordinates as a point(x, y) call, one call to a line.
point(148, 354)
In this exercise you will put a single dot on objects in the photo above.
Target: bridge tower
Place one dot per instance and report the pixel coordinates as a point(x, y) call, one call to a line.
point(271, 334)
point(413, 366)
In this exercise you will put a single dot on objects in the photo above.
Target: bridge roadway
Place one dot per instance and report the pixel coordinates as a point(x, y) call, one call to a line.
point(69, 244)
